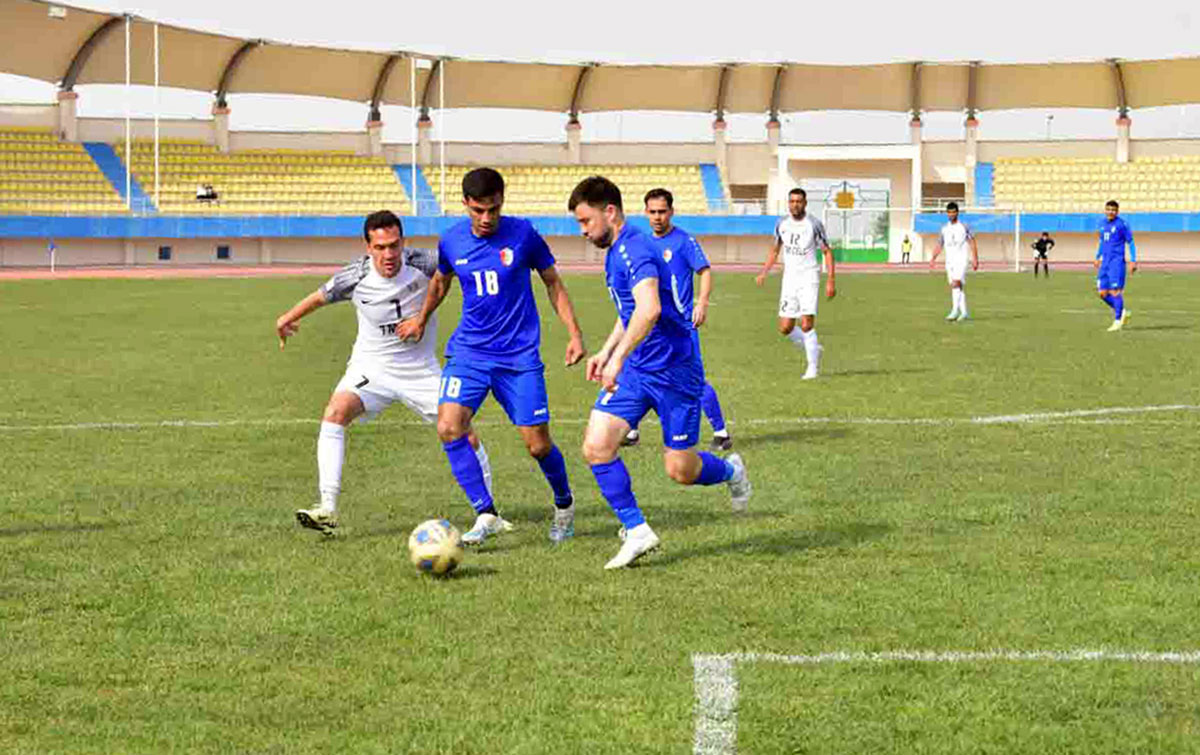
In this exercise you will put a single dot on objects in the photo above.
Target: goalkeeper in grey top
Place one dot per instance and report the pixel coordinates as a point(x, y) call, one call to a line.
point(387, 285)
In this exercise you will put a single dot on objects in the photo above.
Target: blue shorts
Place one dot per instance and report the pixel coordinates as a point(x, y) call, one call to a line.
point(1111, 276)
point(673, 394)
point(522, 393)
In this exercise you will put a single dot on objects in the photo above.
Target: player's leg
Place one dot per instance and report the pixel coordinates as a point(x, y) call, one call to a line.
point(522, 394)
point(789, 311)
point(951, 278)
point(419, 389)
point(961, 290)
point(612, 416)
point(343, 408)
point(674, 399)
point(462, 391)
point(710, 404)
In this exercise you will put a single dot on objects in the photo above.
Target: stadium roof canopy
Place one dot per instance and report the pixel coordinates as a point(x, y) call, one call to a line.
point(69, 46)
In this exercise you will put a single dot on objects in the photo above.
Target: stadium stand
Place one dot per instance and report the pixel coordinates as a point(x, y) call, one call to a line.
point(543, 189)
point(41, 175)
point(1053, 184)
point(266, 182)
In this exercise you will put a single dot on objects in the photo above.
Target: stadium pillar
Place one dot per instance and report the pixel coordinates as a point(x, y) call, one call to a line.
point(375, 138)
point(264, 251)
point(1123, 124)
point(972, 134)
point(130, 252)
point(425, 140)
point(915, 127)
point(575, 141)
point(773, 134)
point(719, 142)
point(68, 124)
point(221, 127)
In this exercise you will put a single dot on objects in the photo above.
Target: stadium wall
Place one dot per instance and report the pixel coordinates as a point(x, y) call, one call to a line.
point(22, 115)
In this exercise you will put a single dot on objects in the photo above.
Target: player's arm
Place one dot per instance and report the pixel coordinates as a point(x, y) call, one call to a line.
point(289, 322)
point(596, 364)
point(1132, 253)
point(823, 243)
point(974, 253)
point(772, 255)
point(1099, 253)
point(556, 289)
point(646, 310)
point(937, 249)
point(413, 329)
point(700, 311)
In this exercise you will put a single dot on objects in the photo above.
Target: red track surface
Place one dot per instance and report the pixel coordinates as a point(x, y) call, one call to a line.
point(263, 271)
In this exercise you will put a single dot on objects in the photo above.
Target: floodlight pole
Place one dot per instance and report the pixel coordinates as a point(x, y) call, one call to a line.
point(442, 127)
point(412, 104)
point(157, 109)
point(128, 123)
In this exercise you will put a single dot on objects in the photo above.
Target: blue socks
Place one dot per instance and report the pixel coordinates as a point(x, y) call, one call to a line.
point(1118, 305)
point(467, 470)
point(555, 469)
point(712, 408)
point(713, 470)
point(617, 489)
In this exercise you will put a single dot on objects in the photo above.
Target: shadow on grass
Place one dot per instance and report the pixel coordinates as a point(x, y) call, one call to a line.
point(810, 432)
point(1162, 327)
point(878, 371)
point(49, 529)
point(783, 543)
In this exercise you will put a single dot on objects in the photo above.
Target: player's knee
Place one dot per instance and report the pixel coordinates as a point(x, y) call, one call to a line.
point(450, 430)
point(678, 470)
point(538, 447)
point(806, 324)
point(597, 452)
point(786, 328)
point(337, 415)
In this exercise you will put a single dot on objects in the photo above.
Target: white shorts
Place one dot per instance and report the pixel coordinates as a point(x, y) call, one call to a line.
point(798, 295)
point(378, 388)
point(956, 270)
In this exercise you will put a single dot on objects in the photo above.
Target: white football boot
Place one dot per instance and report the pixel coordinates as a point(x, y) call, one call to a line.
point(563, 526)
point(739, 484)
point(485, 525)
point(638, 542)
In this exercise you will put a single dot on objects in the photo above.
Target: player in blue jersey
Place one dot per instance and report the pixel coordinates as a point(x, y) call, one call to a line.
point(649, 361)
point(496, 346)
point(685, 258)
point(1110, 263)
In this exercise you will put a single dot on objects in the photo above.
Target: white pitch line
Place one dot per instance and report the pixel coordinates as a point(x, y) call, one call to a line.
point(1072, 416)
point(716, 684)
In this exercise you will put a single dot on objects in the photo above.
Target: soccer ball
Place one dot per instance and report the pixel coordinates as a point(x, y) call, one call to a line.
point(435, 547)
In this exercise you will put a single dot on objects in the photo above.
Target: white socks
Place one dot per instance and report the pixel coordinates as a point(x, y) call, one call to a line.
point(958, 297)
point(485, 465)
point(331, 451)
point(331, 454)
point(812, 349)
point(796, 337)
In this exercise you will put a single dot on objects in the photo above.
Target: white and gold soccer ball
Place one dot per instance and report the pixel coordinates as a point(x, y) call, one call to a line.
point(435, 547)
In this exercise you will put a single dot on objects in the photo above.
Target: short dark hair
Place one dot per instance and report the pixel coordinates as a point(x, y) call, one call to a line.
point(595, 191)
point(381, 219)
point(952, 206)
point(1112, 203)
point(660, 193)
point(799, 191)
point(1045, 233)
point(482, 183)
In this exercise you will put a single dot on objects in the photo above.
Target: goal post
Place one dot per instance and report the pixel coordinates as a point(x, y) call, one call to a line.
point(877, 234)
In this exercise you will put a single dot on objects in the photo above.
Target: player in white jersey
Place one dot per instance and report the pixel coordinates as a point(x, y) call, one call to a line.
point(387, 285)
point(958, 241)
point(800, 236)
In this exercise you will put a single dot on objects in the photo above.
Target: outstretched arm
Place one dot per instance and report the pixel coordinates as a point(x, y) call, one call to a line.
point(413, 329)
point(289, 322)
point(556, 289)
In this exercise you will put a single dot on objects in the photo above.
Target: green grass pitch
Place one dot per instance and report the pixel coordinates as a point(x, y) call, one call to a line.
point(156, 594)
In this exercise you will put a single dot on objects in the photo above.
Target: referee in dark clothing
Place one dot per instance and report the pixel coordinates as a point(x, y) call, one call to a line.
point(1041, 247)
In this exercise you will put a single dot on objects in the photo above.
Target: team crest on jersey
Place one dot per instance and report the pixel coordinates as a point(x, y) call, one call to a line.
point(667, 255)
point(506, 256)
